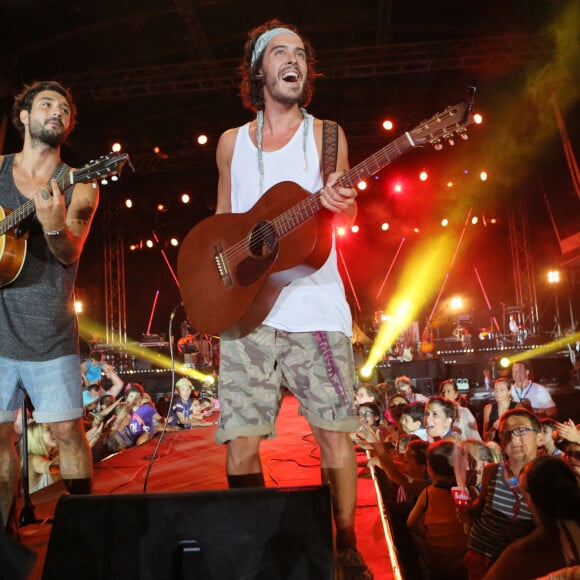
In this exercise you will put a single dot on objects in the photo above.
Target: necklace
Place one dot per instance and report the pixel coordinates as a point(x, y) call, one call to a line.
point(523, 394)
point(259, 136)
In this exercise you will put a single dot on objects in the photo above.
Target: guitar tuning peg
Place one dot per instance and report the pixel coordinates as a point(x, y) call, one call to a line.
point(438, 146)
point(451, 141)
point(464, 135)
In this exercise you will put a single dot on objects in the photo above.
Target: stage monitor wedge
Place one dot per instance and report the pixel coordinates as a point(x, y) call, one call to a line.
point(266, 534)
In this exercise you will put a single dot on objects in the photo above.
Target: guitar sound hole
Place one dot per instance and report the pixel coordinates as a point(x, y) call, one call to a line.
point(263, 240)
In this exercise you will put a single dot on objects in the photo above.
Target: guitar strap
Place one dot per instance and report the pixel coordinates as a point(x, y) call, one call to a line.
point(329, 147)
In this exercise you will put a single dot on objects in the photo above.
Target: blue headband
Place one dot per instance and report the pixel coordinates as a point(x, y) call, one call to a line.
point(265, 38)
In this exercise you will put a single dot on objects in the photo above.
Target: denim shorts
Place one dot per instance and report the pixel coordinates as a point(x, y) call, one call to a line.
point(54, 388)
point(317, 367)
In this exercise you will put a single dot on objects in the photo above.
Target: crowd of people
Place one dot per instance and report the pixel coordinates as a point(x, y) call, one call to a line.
point(468, 501)
point(117, 415)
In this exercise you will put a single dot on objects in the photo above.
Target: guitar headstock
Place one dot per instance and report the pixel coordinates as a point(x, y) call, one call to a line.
point(444, 126)
point(104, 166)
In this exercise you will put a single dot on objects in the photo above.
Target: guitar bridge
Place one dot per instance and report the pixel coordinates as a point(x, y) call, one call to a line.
point(222, 266)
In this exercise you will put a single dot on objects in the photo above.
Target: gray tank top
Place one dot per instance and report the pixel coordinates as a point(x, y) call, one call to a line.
point(37, 317)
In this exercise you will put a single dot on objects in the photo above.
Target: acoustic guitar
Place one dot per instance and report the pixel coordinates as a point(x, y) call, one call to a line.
point(232, 267)
point(13, 243)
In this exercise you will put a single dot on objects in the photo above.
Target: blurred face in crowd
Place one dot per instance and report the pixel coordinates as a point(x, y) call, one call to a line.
point(367, 417)
point(501, 391)
point(519, 439)
point(437, 423)
point(448, 392)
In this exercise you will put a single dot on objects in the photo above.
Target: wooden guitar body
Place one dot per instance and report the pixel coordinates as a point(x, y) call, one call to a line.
point(232, 267)
point(12, 253)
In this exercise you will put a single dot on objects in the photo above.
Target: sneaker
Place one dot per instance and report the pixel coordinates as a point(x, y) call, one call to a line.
point(351, 566)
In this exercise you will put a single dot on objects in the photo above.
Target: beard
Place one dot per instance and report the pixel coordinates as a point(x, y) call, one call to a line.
point(285, 98)
point(47, 135)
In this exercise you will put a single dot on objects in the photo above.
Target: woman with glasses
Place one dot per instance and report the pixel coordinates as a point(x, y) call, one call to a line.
point(501, 514)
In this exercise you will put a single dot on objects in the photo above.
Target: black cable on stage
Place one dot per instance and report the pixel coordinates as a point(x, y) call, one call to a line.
point(172, 356)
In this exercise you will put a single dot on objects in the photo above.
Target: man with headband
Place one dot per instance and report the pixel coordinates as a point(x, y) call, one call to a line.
point(305, 340)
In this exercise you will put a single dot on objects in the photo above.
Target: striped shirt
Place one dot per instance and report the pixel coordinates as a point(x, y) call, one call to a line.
point(505, 518)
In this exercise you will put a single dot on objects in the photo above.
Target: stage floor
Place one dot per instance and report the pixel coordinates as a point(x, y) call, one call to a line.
point(191, 461)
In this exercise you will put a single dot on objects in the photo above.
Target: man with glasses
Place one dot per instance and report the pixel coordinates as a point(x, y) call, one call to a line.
point(500, 514)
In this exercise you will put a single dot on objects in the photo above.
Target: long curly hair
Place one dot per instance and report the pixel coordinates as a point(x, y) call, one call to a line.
point(252, 83)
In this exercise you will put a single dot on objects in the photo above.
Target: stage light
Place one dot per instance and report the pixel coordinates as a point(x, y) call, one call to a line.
point(361, 185)
point(185, 198)
point(474, 220)
point(341, 231)
point(388, 125)
point(156, 150)
point(355, 229)
point(456, 302)
point(129, 203)
point(174, 242)
point(202, 139)
point(161, 207)
point(149, 243)
point(416, 230)
point(116, 147)
point(423, 176)
point(493, 221)
point(554, 277)
point(133, 247)
point(450, 184)
point(384, 226)
point(478, 119)
point(444, 222)
point(397, 188)
point(78, 306)
point(504, 361)
point(366, 372)
point(483, 175)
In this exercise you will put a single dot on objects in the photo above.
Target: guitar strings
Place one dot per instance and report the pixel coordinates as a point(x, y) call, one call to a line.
point(364, 168)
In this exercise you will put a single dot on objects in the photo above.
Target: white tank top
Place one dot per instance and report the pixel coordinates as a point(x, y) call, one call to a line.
point(315, 302)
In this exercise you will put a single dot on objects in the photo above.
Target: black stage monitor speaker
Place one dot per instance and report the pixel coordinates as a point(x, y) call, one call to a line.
point(260, 533)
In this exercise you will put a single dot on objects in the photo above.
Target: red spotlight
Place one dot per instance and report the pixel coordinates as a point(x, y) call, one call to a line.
point(385, 226)
point(355, 229)
point(388, 125)
point(423, 176)
point(398, 188)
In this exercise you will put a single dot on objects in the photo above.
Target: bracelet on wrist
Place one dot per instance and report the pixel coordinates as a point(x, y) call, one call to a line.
point(54, 233)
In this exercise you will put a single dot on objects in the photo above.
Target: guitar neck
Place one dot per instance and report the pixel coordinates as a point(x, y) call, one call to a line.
point(304, 210)
point(27, 209)
point(376, 162)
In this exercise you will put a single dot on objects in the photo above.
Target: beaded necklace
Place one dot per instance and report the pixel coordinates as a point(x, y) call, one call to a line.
point(259, 136)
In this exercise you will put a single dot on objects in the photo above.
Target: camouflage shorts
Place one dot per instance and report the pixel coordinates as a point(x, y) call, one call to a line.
point(317, 367)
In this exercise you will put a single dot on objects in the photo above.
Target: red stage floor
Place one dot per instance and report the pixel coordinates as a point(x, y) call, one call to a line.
point(192, 461)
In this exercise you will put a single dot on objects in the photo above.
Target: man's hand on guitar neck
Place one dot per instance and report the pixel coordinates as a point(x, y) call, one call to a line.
point(66, 231)
point(339, 200)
